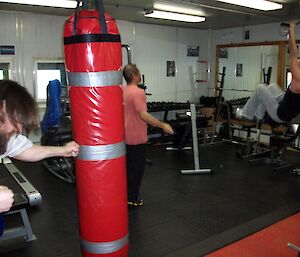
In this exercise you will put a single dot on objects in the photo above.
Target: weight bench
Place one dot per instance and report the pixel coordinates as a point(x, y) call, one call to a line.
point(278, 145)
point(25, 195)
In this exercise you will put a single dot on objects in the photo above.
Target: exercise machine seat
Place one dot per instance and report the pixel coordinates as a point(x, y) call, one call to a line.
point(56, 131)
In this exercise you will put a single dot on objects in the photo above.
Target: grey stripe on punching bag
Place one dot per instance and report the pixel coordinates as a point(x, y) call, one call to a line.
point(95, 79)
point(104, 248)
point(101, 152)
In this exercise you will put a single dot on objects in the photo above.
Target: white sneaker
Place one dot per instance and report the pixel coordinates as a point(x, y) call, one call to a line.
point(239, 113)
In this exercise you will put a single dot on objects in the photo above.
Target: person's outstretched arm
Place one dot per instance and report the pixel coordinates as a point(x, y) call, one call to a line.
point(152, 121)
point(37, 152)
point(294, 63)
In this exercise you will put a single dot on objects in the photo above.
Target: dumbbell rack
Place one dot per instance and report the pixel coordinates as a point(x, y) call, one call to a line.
point(165, 108)
point(197, 169)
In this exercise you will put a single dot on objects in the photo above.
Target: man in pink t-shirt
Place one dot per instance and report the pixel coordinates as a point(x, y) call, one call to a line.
point(136, 120)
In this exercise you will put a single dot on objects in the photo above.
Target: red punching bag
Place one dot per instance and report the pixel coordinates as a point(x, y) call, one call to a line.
point(93, 56)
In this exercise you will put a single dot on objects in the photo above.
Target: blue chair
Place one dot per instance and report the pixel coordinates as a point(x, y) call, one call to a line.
point(56, 131)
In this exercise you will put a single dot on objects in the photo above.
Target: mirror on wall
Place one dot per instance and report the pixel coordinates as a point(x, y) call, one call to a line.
point(247, 66)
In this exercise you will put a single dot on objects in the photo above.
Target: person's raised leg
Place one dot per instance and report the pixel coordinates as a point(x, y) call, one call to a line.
point(265, 98)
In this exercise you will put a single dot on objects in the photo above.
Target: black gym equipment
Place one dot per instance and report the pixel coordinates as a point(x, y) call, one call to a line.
point(208, 101)
point(228, 108)
point(25, 195)
point(57, 134)
point(279, 143)
point(155, 135)
point(128, 51)
point(183, 128)
point(220, 98)
point(186, 127)
point(143, 86)
point(267, 75)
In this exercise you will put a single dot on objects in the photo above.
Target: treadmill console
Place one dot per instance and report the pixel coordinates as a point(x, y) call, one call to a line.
point(34, 197)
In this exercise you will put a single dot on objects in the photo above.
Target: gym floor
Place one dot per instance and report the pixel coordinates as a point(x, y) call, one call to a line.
point(183, 215)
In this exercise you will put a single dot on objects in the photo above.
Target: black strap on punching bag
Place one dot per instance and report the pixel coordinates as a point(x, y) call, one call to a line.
point(85, 5)
point(100, 8)
point(76, 16)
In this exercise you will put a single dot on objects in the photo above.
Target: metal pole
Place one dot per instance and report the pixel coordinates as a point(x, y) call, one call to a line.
point(197, 169)
point(128, 50)
point(195, 137)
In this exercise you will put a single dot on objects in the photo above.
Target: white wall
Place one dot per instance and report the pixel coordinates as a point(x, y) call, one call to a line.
point(152, 46)
point(40, 36)
point(34, 36)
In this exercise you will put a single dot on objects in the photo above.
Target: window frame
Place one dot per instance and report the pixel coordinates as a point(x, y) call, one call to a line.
point(36, 62)
point(10, 61)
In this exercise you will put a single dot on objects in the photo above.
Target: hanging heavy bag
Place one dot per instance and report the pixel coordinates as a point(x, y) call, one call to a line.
point(93, 58)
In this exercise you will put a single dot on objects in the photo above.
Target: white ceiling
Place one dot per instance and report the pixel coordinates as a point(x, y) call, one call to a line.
point(218, 15)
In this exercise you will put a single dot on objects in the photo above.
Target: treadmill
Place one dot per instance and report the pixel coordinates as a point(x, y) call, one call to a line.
point(25, 195)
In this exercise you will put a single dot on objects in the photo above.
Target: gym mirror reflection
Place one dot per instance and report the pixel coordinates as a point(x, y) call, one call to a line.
point(247, 66)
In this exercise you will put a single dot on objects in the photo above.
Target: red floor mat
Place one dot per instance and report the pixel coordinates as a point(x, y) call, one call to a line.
point(269, 242)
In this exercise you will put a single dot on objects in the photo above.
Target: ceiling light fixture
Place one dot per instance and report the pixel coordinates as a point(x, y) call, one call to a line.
point(255, 4)
point(173, 16)
point(178, 8)
point(49, 3)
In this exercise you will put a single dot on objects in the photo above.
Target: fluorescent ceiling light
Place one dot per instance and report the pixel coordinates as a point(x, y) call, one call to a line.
point(50, 3)
point(173, 16)
point(178, 8)
point(255, 4)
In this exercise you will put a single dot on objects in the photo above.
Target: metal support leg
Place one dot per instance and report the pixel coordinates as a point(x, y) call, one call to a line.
point(29, 235)
point(294, 247)
point(197, 169)
point(22, 231)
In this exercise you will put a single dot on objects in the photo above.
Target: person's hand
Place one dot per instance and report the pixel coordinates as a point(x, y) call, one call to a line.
point(167, 128)
point(6, 198)
point(70, 149)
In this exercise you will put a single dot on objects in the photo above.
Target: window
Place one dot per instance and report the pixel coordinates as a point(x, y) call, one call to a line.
point(4, 70)
point(46, 71)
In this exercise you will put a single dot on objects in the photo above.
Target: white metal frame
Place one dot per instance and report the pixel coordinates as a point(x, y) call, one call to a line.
point(197, 169)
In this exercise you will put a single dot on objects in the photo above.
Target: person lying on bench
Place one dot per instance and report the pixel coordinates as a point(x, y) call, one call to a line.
point(18, 113)
point(281, 106)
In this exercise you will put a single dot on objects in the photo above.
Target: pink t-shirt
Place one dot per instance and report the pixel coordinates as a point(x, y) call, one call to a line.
point(134, 103)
